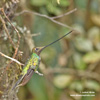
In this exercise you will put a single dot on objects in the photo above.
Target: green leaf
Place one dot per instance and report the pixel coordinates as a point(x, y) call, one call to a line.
point(62, 81)
point(92, 57)
point(94, 36)
point(53, 9)
point(64, 3)
point(38, 2)
point(78, 61)
point(83, 44)
point(76, 85)
point(92, 84)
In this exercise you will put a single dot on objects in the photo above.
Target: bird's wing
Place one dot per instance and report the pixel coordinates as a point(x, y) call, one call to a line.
point(27, 77)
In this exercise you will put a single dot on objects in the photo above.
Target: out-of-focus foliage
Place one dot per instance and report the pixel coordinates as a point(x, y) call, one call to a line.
point(62, 81)
point(92, 57)
point(78, 52)
point(50, 6)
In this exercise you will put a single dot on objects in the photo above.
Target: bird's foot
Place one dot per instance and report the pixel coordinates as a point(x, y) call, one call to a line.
point(38, 73)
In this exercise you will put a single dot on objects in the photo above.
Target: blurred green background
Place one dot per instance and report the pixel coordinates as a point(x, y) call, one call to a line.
point(78, 53)
point(70, 66)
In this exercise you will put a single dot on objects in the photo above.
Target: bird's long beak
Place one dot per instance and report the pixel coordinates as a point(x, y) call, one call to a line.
point(42, 48)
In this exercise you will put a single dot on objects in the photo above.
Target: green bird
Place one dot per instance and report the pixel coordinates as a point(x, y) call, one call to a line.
point(32, 64)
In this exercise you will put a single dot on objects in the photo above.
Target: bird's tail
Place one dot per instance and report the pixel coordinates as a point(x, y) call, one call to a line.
point(19, 80)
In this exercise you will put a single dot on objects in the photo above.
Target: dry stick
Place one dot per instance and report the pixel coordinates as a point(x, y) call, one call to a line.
point(6, 30)
point(65, 14)
point(10, 21)
point(71, 71)
point(32, 35)
point(11, 58)
point(50, 18)
point(11, 24)
point(16, 49)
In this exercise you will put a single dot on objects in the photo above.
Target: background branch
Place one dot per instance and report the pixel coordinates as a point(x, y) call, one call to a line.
point(50, 18)
point(87, 73)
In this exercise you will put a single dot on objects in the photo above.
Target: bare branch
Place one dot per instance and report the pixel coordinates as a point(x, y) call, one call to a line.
point(88, 74)
point(12, 26)
point(11, 58)
point(35, 34)
point(16, 48)
point(7, 32)
point(50, 18)
point(65, 14)
point(59, 23)
point(10, 22)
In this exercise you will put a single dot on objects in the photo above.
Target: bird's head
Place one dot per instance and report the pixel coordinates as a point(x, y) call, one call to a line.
point(37, 50)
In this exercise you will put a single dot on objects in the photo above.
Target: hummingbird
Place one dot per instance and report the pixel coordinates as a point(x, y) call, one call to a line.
point(32, 64)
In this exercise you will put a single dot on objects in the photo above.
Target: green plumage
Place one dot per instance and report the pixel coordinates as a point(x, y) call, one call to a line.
point(33, 63)
point(27, 72)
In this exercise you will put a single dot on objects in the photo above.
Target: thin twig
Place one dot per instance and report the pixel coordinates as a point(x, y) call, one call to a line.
point(7, 32)
point(10, 22)
point(88, 74)
point(35, 34)
point(11, 58)
point(59, 23)
point(50, 18)
point(12, 26)
point(16, 49)
point(14, 56)
point(65, 14)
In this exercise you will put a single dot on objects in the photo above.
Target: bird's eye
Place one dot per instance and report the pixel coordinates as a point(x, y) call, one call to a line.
point(36, 49)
